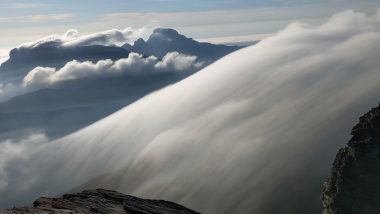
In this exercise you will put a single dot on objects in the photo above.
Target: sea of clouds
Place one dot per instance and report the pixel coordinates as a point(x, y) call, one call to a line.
point(254, 132)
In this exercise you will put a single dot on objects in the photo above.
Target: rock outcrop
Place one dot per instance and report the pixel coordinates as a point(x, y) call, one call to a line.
point(354, 185)
point(100, 201)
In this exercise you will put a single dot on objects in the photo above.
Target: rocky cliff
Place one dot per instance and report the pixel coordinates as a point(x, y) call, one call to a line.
point(354, 184)
point(100, 201)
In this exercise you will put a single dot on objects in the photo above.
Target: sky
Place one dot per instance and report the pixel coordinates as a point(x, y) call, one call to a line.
point(218, 21)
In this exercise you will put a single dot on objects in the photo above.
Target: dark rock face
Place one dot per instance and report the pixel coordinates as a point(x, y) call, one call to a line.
point(354, 184)
point(163, 41)
point(100, 201)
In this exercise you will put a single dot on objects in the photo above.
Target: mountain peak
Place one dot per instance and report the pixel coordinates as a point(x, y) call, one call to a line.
point(165, 31)
point(166, 35)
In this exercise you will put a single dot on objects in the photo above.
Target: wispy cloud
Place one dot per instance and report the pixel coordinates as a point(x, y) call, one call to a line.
point(219, 26)
point(22, 5)
point(216, 17)
point(61, 17)
point(237, 39)
point(108, 37)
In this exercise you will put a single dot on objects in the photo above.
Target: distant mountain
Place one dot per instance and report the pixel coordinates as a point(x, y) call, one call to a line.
point(56, 54)
point(53, 54)
point(159, 44)
point(71, 106)
point(75, 105)
point(163, 41)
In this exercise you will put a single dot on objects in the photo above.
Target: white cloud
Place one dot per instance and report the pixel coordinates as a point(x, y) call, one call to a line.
point(11, 148)
point(38, 18)
point(23, 5)
point(8, 90)
point(253, 132)
point(135, 64)
point(109, 37)
point(175, 61)
point(237, 39)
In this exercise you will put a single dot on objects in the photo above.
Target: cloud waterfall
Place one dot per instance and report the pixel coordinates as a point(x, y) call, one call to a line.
point(254, 132)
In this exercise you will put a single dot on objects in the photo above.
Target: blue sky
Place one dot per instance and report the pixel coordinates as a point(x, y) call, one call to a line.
point(209, 20)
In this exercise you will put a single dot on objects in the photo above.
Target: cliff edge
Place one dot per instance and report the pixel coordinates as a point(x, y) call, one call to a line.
point(354, 184)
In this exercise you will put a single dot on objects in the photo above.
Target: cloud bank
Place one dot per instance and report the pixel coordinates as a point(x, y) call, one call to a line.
point(135, 64)
point(109, 37)
point(8, 90)
point(254, 132)
point(11, 148)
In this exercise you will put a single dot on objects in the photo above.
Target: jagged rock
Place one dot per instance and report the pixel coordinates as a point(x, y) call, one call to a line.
point(100, 201)
point(354, 184)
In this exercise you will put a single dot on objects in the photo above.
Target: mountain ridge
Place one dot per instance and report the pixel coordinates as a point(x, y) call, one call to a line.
point(50, 53)
point(82, 93)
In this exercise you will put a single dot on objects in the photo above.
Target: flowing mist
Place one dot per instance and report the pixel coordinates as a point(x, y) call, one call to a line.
point(254, 132)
